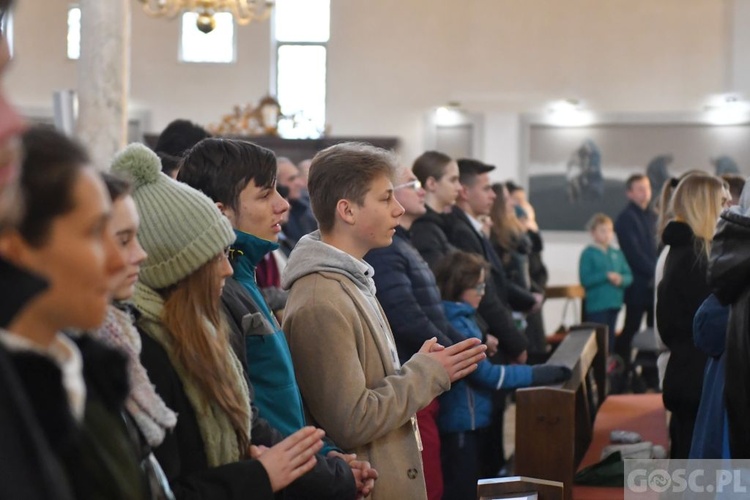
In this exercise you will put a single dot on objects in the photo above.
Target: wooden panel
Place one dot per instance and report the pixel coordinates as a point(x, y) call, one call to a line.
point(545, 427)
point(565, 292)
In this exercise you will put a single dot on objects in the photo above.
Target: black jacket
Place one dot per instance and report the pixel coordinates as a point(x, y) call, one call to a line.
point(681, 292)
point(428, 235)
point(410, 297)
point(28, 469)
point(636, 234)
point(729, 277)
point(99, 456)
point(496, 304)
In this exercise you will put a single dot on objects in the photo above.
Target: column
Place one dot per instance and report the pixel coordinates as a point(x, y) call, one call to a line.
point(103, 76)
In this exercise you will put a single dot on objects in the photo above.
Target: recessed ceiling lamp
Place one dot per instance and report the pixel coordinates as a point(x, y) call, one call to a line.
point(569, 113)
point(727, 109)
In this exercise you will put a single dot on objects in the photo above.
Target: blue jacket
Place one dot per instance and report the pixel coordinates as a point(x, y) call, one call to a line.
point(408, 293)
point(269, 362)
point(467, 406)
point(710, 435)
point(636, 234)
point(593, 267)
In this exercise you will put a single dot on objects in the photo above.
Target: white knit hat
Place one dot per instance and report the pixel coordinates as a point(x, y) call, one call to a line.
point(181, 228)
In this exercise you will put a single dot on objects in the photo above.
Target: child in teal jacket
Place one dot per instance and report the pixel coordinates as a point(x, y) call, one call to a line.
point(605, 275)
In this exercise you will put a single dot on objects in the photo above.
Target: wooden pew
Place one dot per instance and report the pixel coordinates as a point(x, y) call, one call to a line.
point(554, 424)
point(561, 429)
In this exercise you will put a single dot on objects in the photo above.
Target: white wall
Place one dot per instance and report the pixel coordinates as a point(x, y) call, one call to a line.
point(159, 83)
point(392, 60)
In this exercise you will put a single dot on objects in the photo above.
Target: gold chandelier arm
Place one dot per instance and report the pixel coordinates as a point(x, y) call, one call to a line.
point(246, 11)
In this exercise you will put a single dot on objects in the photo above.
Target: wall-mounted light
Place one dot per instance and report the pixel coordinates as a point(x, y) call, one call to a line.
point(449, 115)
point(569, 113)
point(727, 109)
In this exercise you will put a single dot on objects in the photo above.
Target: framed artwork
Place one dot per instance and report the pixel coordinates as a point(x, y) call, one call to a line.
point(574, 172)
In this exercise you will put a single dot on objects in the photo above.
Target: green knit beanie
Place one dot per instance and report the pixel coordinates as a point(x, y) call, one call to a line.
point(181, 228)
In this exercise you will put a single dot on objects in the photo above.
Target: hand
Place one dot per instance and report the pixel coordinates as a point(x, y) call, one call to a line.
point(614, 278)
point(364, 474)
point(459, 359)
point(492, 344)
point(538, 301)
point(291, 458)
point(549, 374)
point(521, 359)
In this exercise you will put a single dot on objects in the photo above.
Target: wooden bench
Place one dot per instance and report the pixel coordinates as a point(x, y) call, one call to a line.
point(561, 429)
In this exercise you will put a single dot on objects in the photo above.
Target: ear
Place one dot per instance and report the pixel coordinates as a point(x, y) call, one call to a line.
point(346, 211)
point(227, 212)
point(14, 248)
point(463, 193)
point(430, 184)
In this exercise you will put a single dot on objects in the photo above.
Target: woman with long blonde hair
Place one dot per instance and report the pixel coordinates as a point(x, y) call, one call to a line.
point(695, 206)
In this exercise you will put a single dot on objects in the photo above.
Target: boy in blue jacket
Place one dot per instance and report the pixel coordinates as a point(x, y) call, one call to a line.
point(466, 409)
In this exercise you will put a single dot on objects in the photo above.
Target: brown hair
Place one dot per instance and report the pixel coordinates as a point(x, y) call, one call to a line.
point(193, 317)
point(345, 172)
point(430, 164)
point(459, 271)
point(633, 179)
point(597, 220)
point(507, 230)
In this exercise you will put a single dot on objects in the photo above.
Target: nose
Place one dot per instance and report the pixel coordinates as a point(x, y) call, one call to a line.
point(280, 204)
point(140, 254)
point(398, 209)
point(225, 269)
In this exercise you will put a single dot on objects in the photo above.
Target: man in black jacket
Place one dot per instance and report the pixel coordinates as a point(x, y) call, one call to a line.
point(636, 234)
point(464, 232)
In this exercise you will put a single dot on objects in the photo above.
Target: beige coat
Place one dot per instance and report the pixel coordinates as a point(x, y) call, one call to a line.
point(349, 384)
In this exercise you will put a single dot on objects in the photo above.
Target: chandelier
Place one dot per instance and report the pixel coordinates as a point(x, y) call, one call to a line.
point(244, 11)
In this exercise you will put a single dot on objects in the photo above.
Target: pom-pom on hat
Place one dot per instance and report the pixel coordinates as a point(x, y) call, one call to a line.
point(181, 228)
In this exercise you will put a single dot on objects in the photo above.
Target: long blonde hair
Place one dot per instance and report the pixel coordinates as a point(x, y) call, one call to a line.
point(507, 229)
point(697, 201)
point(192, 315)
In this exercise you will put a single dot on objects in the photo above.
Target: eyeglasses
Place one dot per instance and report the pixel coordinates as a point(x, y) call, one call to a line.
point(480, 288)
point(225, 254)
point(415, 185)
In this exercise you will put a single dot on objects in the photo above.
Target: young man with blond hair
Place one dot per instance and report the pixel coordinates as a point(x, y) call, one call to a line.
point(348, 369)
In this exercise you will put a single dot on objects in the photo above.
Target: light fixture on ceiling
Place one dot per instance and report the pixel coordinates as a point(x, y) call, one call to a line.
point(727, 109)
point(569, 113)
point(244, 11)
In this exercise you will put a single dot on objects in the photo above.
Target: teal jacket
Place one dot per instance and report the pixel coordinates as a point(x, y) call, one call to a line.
point(593, 267)
point(269, 362)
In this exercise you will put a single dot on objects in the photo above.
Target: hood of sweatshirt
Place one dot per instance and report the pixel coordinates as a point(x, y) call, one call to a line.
point(311, 255)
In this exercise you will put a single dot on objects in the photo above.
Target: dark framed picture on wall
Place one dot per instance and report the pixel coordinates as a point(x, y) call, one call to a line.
point(574, 172)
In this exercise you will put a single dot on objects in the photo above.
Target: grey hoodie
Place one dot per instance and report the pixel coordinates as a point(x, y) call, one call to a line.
point(311, 255)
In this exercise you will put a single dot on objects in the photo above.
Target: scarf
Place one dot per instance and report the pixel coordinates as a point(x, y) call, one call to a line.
point(152, 416)
point(219, 438)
